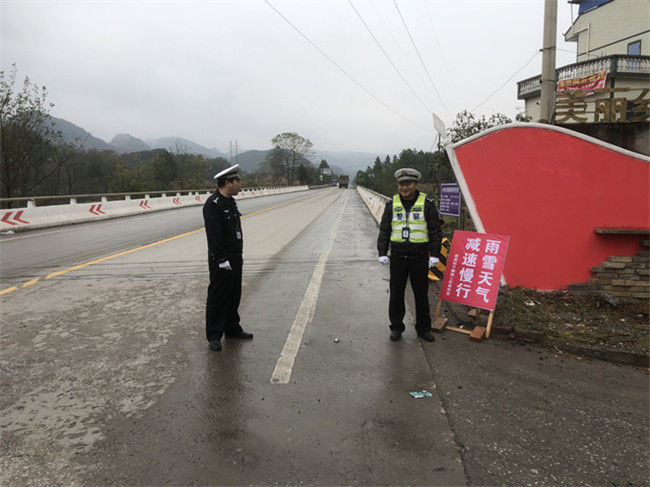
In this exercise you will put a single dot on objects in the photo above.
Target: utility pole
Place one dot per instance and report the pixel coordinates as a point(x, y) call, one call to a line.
point(547, 100)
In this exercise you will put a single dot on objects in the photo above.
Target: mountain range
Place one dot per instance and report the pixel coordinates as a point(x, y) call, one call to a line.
point(340, 162)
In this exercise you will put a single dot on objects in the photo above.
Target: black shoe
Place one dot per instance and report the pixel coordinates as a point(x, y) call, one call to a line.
point(241, 334)
point(428, 336)
point(215, 344)
point(395, 335)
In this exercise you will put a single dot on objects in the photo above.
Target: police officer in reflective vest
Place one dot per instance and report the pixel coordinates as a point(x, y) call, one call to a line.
point(410, 226)
point(225, 246)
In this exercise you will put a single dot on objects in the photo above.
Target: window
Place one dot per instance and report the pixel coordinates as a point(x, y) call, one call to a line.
point(634, 48)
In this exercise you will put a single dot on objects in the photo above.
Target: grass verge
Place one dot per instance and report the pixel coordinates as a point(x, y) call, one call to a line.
point(598, 322)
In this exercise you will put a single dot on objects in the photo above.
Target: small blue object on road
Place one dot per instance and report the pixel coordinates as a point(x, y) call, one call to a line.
point(418, 395)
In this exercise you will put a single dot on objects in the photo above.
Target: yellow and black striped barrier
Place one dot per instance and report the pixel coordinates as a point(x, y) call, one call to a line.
point(438, 271)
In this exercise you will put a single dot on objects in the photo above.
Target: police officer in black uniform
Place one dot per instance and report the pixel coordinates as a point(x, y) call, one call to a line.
point(225, 247)
point(410, 226)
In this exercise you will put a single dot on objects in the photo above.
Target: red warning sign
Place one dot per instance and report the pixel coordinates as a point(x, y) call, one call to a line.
point(474, 269)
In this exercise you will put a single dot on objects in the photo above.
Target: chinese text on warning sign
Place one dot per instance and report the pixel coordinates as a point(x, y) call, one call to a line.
point(474, 269)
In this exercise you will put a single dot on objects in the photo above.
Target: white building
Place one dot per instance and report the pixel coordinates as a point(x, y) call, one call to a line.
point(607, 28)
point(606, 93)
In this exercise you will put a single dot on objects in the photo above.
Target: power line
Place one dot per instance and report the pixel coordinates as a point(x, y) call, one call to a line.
point(421, 60)
point(387, 56)
point(442, 51)
point(389, 30)
point(507, 81)
point(341, 69)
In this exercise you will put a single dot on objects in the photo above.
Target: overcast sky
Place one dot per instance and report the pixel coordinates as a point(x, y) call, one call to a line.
point(348, 75)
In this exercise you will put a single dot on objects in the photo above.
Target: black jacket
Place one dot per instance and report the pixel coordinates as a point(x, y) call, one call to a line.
point(222, 228)
point(433, 226)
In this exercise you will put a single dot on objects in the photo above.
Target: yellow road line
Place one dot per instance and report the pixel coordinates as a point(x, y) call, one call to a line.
point(8, 290)
point(29, 283)
point(109, 257)
point(97, 261)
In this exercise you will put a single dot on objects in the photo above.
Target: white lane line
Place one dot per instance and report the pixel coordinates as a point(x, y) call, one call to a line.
point(284, 365)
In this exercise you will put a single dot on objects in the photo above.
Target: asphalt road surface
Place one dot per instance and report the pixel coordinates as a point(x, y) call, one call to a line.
point(29, 255)
point(107, 378)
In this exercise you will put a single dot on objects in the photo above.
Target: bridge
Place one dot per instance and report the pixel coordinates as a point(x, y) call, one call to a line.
point(107, 378)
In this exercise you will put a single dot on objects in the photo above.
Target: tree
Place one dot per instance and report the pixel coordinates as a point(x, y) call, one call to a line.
point(197, 167)
point(189, 169)
point(183, 159)
point(273, 166)
point(164, 170)
point(28, 138)
point(132, 174)
point(99, 165)
point(292, 150)
point(434, 167)
point(70, 174)
point(466, 124)
point(304, 175)
point(324, 172)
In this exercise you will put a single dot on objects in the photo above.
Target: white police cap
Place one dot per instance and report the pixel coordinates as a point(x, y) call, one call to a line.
point(229, 173)
point(407, 174)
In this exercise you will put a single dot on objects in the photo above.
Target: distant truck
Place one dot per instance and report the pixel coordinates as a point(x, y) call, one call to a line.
point(343, 181)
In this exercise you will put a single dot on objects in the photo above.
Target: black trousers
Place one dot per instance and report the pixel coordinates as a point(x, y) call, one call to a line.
point(224, 296)
point(401, 270)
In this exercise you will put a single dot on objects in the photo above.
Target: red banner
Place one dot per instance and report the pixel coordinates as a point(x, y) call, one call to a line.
point(584, 83)
point(474, 269)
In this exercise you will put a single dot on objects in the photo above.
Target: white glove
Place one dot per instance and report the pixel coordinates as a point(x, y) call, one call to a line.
point(433, 261)
point(383, 259)
point(225, 265)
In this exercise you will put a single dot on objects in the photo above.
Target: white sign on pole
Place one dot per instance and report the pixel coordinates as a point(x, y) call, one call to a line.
point(439, 125)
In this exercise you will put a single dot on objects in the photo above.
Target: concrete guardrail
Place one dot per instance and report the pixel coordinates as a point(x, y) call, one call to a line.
point(374, 201)
point(32, 217)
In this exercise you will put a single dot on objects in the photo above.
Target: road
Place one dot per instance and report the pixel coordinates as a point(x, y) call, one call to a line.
point(107, 378)
point(26, 256)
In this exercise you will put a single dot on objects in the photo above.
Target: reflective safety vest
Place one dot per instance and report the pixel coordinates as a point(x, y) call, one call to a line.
point(409, 226)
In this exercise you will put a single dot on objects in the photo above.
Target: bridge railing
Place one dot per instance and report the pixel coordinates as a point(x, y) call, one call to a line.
point(374, 201)
point(83, 208)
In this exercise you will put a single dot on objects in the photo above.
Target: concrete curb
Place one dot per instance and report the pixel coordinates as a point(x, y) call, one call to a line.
point(32, 217)
point(624, 358)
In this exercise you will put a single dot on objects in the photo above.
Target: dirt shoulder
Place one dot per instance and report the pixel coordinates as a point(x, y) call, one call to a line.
point(596, 326)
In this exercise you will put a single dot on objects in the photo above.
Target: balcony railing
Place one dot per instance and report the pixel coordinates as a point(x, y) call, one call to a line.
point(616, 66)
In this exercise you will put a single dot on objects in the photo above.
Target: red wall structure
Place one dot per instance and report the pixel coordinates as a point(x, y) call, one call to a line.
point(549, 189)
